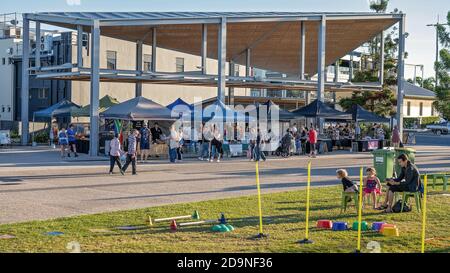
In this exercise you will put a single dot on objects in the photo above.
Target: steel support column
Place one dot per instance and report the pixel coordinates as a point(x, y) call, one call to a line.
point(204, 52)
point(350, 77)
point(79, 46)
point(139, 62)
point(382, 59)
point(95, 90)
point(336, 71)
point(25, 92)
point(401, 74)
point(231, 72)
point(302, 49)
point(302, 59)
point(154, 46)
point(248, 63)
point(222, 59)
point(321, 65)
point(37, 53)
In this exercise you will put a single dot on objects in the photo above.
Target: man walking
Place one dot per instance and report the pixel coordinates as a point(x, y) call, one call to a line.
point(131, 155)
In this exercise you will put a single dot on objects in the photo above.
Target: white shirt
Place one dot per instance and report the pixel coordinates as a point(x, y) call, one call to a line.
point(114, 147)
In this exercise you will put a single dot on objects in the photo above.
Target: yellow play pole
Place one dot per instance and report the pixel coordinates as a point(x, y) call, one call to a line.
point(308, 186)
point(261, 234)
point(424, 211)
point(358, 247)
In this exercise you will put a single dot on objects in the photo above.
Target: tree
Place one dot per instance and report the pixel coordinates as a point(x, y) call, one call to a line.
point(383, 103)
point(379, 6)
point(442, 104)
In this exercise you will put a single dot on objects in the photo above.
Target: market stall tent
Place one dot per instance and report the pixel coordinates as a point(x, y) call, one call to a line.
point(283, 115)
point(104, 104)
point(138, 108)
point(359, 114)
point(318, 109)
point(63, 108)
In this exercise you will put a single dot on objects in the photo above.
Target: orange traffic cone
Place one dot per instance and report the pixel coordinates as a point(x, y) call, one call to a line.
point(173, 226)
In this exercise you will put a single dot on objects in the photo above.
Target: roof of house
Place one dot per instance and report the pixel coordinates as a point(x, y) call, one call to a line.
point(412, 90)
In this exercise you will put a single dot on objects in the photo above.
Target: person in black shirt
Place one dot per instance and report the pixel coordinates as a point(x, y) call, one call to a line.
point(156, 133)
point(408, 181)
point(348, 185)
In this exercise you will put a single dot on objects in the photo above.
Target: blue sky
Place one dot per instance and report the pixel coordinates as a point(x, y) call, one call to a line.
point(420, 43)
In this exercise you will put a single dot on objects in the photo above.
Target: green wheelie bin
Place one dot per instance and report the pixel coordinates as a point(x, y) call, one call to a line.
point(411, 153)
point(383, 162)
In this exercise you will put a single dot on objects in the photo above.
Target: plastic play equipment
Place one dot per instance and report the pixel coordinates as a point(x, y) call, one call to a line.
point(222, 228)
point(195, 215)
point(326, 224)
point(222, 220)
point(387, 226)
point(339, 226)
point(376, 226)
point(308, 188)
point(390, 231)
point(364, 226)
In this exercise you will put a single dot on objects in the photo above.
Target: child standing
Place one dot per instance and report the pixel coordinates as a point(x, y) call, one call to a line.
point(372, 185)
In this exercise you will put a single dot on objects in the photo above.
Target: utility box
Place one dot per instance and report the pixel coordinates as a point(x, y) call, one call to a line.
point(383, 162)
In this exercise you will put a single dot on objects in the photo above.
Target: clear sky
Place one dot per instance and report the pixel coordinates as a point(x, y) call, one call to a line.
point(420, 43)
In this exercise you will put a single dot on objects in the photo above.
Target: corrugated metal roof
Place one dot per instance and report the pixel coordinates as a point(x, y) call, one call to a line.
point(175, 15)
point(412, 90)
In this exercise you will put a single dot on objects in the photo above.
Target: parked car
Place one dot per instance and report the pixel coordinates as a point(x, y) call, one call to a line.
point(440, 128)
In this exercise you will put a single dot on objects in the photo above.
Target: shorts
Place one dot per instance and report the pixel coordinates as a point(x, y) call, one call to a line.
point(145, 146)
point(369, 191)
point(72, 142)
point(63, 143)
point(398, 188)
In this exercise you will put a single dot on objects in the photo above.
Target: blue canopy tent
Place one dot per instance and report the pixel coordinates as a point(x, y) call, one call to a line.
point(61, 109)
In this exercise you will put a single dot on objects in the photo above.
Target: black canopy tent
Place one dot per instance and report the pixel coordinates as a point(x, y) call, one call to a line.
point(359, 114)
point(318, 109)
point(283, 115)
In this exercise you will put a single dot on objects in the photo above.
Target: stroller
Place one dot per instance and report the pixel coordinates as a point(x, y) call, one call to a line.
point(285, 148)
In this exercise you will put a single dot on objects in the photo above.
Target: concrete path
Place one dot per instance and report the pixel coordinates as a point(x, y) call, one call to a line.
point(35, 184)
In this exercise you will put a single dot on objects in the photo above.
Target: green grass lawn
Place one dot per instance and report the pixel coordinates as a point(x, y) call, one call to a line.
point(284, 221)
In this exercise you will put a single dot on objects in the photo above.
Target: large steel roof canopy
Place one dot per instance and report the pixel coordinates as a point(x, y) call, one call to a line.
point(273, 37)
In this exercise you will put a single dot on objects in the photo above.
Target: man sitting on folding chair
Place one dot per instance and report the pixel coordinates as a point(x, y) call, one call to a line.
point(408, 181)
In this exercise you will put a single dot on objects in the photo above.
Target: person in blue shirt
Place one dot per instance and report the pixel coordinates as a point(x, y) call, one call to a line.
point(71, 135)
point(146, 138)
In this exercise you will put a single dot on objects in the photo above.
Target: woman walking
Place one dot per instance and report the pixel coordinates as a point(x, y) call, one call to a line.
point(216, 144)
point(174, 142)
point(115, 152)
point(63, 141)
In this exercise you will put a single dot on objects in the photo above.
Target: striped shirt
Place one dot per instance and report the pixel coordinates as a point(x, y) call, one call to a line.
point(131, 144)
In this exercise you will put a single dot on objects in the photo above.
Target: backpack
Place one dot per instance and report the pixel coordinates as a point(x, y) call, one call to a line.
point(398, 206)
